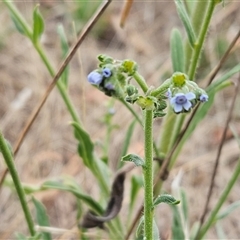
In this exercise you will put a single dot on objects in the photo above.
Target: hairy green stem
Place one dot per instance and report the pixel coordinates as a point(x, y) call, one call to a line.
point(131, 110)
point(148, 175)
point(141, 82)
point(8, 157)
point(220, 202)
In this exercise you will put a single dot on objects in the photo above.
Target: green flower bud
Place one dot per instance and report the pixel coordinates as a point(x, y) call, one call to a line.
point(105, 59)
point(179, 79)
point(157, 114)
point(130, 89)
point(129, 67)
point(145, 103)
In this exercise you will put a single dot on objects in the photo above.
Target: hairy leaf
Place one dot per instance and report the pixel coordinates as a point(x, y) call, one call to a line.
point(165, 198)
point(177, 228)
point(133, 158)
point(140, 230)
point(177, 51)
point(85, 145)
point(186, 22)
point(228, 210)
point(64, 185)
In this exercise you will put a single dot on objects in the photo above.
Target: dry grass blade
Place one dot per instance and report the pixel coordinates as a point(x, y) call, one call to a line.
point(223, 59)
point(73, 51)
point(125, 12)
point(219, 153)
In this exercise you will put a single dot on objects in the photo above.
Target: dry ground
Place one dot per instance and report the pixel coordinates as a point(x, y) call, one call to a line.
point(49, 149)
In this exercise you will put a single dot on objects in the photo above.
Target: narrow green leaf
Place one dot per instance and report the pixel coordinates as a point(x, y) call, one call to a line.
point(20, 236)
point(165, 198)
point(133, 158)
point(177, 51)
point(140, 228)
point(194, 230)
point(228, 210)
point(177, 228)
point(128, 138)
point(62, 185)
point(186, 22)
point(42, 217)
point(65, 49)
point(38, 24)
point(223, 78)
point(86, 152)
point(136, 185)
point(220, 232)
point(37, 236)
point(155, 231)
point(184, 204)
point(18, 25)
point(85, 145)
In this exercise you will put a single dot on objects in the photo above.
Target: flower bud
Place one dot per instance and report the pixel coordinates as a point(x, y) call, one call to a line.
point(95, 78)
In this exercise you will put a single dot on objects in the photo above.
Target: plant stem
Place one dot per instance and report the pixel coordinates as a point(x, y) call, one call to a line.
point(141, 82)
point(21, 21)
point(131, 110)
point(60, 86)
point(148, 175)
point(8, 157)
point(220, 202)
point(201, 37)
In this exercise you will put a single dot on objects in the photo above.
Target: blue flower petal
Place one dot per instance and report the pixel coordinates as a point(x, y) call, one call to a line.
point(190, 96)
point(179, 95)
point(173, 100)
point(177, 108)
point(169, 93)
point(95, 78)
point(106, 72)
point(187, 105)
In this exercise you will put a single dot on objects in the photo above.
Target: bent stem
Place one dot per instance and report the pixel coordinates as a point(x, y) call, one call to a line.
point(148, 175)
point(8, 157)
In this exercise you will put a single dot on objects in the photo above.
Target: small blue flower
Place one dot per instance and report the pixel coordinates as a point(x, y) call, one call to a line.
point(95, 78)
point(181, 101)
point(203, 98)
point(109, 86)
point(106, 72)
point(169, 93)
